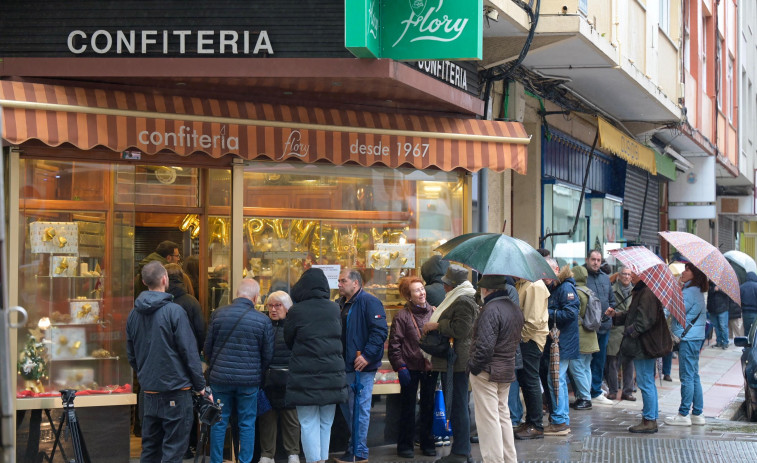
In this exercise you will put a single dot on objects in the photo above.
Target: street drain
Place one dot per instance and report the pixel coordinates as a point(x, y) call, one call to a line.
point(655, 450)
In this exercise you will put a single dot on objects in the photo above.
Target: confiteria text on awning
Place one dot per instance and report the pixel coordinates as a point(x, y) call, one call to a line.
point(151, 123)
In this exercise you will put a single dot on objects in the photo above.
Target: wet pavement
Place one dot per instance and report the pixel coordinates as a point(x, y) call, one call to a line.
point(600, 434)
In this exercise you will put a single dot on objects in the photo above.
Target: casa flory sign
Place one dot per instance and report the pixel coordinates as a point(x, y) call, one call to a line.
point(414, 29)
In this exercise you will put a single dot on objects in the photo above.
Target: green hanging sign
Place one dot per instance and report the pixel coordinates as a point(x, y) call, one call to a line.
point(414, 29)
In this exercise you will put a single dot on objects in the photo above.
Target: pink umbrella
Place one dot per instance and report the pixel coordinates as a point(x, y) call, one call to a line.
point(656, 275)
point(708, 259)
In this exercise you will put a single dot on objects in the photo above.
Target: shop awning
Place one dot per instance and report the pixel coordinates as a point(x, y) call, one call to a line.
point(150, 123)
point(665, 166)
point(625, 147)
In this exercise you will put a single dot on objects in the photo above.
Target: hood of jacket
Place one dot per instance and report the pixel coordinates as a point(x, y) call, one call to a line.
point(580, 274)
point(152, 257)
point(751, 276)
point(564, 273)
point(313, 284)
point(176, 287)
point(434, 269)
point(149, 301)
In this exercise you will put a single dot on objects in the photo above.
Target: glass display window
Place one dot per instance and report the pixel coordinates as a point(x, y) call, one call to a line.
point(560, 205)
point(384, 222)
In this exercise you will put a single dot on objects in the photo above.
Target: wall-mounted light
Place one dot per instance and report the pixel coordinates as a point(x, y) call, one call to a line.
point(492, 14)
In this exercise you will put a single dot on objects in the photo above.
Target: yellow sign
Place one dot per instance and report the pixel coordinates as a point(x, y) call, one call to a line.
point(625, 147)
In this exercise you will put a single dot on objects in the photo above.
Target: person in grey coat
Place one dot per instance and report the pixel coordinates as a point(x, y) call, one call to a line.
point(162, 350)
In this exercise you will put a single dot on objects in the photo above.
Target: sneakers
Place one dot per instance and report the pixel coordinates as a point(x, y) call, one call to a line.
point(270, 460)
point(348, 458)
point(293, 459)
point(645, 427)
point(678, 420)
point(582, 404)
point(528, 432)
point(697, 420)
point(601, 400)
point(561, 429)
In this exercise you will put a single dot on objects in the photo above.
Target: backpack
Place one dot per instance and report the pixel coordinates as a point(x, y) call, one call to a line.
point(592, 318)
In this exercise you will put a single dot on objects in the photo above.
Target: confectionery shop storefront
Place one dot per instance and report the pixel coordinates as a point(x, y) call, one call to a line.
point(97, 178)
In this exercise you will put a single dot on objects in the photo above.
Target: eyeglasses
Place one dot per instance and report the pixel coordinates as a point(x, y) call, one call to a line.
point(275, 305)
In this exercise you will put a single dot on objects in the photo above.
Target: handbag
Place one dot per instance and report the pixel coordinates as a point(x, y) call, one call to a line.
point(276, 377)
point(427, 362)
point(264, 405)
point(657, 341)
point(433, 343)
point(677, 340)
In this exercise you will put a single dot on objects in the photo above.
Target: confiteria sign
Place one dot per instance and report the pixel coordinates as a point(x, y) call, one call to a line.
point(414, 29)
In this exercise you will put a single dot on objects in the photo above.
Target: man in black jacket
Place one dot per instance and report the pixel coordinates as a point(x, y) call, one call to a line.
point(432, 272)
point(239, 348)
point(162, 350)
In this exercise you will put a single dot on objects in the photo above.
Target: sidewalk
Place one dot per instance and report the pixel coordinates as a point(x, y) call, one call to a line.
point(722, 385)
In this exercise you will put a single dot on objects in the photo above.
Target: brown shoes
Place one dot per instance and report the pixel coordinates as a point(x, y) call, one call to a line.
point(628, 397)
point(561, 429)
point(527, 432)
point(645, 427)
point(667, 378)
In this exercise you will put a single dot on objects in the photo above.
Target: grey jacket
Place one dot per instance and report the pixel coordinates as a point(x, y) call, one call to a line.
point(599, 282)
point(160, 345)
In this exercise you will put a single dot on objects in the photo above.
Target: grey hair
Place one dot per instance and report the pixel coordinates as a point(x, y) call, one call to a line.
point(152, 272)
point(280, 296)
point(354, 275)
point(249, 289)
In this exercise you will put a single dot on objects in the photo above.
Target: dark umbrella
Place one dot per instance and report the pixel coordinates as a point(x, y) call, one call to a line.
point(497, 254)
point(356, 386)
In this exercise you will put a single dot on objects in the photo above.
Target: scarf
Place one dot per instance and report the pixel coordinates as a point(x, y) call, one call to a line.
point(463, 289)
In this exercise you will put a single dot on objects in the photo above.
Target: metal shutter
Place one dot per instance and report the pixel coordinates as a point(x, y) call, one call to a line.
point(726, 240)
point(633, 201)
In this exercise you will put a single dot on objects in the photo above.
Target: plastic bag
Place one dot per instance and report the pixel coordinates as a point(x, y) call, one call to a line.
point(441, 425)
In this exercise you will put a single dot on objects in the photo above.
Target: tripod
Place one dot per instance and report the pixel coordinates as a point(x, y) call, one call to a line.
point(77, 440)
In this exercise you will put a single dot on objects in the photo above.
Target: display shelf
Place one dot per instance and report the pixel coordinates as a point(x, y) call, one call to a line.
point(88, 358)
point(78, 324)
point(68, 277)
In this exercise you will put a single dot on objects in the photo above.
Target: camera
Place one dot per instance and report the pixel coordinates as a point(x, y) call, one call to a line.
point(209, 413)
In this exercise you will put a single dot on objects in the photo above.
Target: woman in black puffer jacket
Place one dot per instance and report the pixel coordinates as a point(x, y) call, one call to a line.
point(316, 383)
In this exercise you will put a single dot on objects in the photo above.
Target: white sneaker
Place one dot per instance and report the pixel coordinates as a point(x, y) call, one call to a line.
point(266, 460)
point(678, 420)
point(601, 400)
point(698, 420)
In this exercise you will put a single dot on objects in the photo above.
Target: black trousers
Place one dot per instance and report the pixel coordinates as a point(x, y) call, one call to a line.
point(460, 419)
point(529, 381)
point(165, 426)
point(407, 428)
point(611, 374)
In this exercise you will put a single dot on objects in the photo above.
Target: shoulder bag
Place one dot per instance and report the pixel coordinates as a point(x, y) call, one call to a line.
point(427, 363)
point(657, 341)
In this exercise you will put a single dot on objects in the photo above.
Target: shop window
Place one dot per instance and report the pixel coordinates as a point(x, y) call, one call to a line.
point(560, 205)
point(157, 186)
point(75, 280)
point(385, 222)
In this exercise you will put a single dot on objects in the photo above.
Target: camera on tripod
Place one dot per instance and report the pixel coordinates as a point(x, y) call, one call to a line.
point(209, 413)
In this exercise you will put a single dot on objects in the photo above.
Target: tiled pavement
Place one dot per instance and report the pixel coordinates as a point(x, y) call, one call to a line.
point(600, 434)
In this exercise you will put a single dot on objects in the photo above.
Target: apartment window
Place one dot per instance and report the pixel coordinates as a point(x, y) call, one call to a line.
point(583, 6)
point(731, 92)
point(718, 79)
point(665, 16)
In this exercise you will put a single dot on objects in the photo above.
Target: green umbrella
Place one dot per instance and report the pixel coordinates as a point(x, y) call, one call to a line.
point(497, 254)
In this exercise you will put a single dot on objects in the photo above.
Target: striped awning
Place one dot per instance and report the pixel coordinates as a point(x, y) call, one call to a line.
point(150, 123)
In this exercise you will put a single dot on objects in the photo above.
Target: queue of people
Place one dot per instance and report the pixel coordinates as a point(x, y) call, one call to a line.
point(311, 354)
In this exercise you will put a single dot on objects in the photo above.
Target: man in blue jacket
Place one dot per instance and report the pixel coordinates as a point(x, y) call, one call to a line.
point(364, 330)
point(239, 348)
point(599, 282)
point(563, 313)
point(749, 301)
point(162, 350)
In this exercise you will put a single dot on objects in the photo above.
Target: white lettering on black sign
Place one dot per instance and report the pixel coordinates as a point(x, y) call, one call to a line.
point(206, 42)
point(446, 71)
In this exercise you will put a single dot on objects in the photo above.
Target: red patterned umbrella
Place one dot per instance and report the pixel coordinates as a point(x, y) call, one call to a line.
point(708, 259)
point(656, 275)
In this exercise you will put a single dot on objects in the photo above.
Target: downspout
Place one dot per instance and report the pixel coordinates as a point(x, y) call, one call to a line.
point(643, 209)
point(580, 200)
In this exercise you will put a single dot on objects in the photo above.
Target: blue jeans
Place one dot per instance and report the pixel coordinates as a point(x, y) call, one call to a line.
point(598, 360)
point(560, 404)
point(749, 317)
point(315, 430)
point(515, 405)
point(244, 399)
point(691, 386)
point(720, 323)
point(364, 411)
point(667, 364)
point(165, 426)
point(580, 370)
point(645, 369)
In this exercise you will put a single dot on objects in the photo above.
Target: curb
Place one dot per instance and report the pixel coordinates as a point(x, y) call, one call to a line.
point(735, 410)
